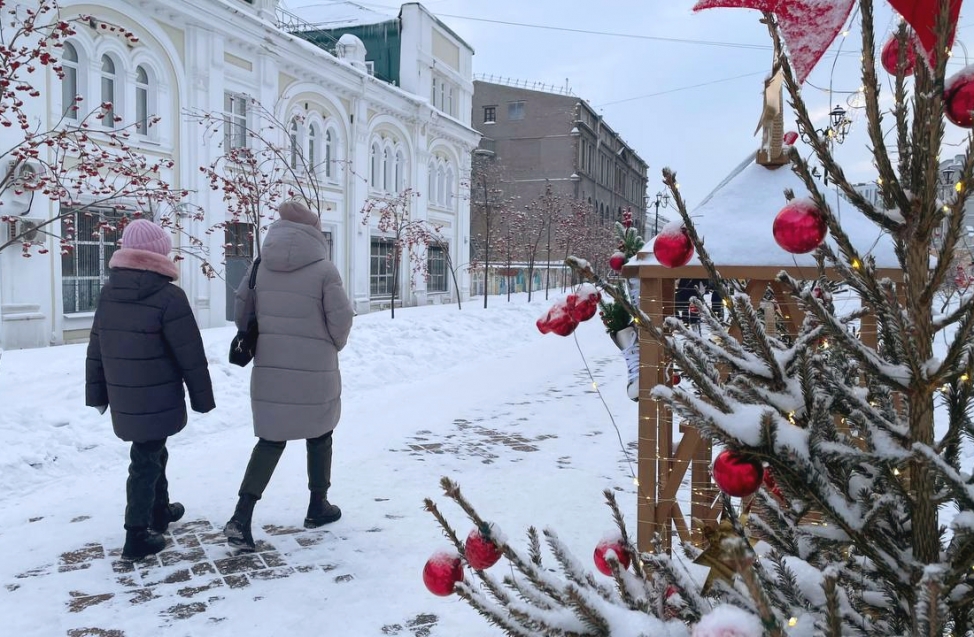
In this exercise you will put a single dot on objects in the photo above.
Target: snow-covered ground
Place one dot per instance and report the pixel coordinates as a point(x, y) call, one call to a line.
point(478, 395)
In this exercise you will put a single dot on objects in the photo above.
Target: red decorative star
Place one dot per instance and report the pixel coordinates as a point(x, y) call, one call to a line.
point(808, 27)
point(922, 16)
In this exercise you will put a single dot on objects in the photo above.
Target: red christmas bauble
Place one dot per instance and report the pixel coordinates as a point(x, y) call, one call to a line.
point(800, 226)
point(737, 475)
point(890, 55)
point(442, 571)
point(481, 552)
point(959, 98)
point(675, 380)
point(616, 261)
point(602, 548)
point(673, 249)
point(790, 138)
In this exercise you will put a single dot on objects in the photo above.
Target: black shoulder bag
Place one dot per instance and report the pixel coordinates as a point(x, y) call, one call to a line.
point(244, 344)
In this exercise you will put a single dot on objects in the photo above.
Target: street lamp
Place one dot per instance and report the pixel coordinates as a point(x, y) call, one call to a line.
point(662, 199)
point(837, 129)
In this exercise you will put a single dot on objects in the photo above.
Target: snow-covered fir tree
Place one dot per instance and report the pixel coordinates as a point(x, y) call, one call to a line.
point(868, 525)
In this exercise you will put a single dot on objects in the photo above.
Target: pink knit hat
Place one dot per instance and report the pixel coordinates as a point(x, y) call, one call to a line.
point(142, 234)
point(298, 212)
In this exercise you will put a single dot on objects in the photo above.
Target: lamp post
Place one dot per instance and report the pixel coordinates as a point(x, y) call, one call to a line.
point(834, 133)
point(662, 199)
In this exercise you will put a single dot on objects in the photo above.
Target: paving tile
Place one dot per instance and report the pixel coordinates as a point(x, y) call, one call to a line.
point(237, 581)
point(81, 601)
point(95, 632)
point(239, 564)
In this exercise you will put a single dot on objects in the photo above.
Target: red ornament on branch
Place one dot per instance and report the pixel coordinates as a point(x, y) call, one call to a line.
point(442, 571)
point(481, 552)
point(800, 226)
point(790, 138)
point(672, 247)
point(737, 475)
point(602, 548)
point(890, 56)
point(808, 27)
point(616, 261)
point(959, 98)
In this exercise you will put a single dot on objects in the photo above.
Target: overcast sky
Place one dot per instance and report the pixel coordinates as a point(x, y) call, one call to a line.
point(702, 132)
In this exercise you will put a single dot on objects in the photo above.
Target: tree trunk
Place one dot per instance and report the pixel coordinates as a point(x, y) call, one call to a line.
point(395, 277)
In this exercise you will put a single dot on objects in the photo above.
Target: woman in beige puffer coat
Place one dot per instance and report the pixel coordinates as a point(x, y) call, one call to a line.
point(304, 318)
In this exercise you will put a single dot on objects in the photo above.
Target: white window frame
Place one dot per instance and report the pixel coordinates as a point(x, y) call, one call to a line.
point(111, 89)
point(234, 122)
point(72, 69)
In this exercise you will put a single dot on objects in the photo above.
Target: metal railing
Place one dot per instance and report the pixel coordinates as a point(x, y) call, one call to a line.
point(534, 86)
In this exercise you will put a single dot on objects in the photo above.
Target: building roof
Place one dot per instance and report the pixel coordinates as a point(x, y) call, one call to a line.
point(342, 14)
point(735, 221)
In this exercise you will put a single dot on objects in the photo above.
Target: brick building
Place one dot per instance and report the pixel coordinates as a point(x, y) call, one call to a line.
point(547, 135)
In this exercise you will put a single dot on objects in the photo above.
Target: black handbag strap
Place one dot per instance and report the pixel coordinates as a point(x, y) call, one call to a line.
point(253, 274)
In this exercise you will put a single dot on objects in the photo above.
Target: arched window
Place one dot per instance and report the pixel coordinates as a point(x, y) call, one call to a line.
point(141, 100)
point(330, 170)
point(108, 82)
point(312, 151)
point(69, 85)
point(449, 187)
point(440, 186)
point(431, 182)
point(400, 182)
point(293, 142)
point(374, 176)
point(386, 171)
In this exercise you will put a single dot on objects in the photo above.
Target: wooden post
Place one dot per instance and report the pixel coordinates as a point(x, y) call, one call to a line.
point(653, 418)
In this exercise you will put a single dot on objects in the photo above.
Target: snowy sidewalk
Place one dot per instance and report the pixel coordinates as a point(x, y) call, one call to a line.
point(475, 395)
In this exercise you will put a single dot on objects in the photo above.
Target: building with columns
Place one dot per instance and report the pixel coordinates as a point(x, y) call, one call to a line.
point(215, 56)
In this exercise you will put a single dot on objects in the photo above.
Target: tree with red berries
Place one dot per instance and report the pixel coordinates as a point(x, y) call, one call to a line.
point(262, 164)
point(86, 159)
point(490, 206)
point(847, 496)
point(411, 238)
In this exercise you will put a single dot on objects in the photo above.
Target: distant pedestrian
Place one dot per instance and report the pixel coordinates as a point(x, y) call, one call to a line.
point(144, 345)
point(304, 318)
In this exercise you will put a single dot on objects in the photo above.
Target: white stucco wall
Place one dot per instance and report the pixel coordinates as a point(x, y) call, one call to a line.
point(199, 49)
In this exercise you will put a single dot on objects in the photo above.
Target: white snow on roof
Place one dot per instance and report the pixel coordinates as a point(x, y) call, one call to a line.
point(735, 222)
point(334, 15)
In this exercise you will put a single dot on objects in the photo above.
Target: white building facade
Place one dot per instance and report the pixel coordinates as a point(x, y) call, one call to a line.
point(214, 56)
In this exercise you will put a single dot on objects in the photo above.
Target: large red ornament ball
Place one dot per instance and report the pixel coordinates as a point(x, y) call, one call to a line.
point(737, 475)
point(890, 56)
point(481, 552)
point(442, 571)
point(790, 138)
point(616, 547)
point(617, 260)
point(800, 226)
point(673, 249)
point(959, 98)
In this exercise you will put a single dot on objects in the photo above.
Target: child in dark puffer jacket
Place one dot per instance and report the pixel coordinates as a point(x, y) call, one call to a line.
point(144, 345)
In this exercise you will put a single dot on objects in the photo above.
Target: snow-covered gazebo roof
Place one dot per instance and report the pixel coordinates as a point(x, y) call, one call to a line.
point(735, 222)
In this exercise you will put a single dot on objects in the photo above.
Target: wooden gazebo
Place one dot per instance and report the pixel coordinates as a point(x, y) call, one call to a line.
point(735, 222)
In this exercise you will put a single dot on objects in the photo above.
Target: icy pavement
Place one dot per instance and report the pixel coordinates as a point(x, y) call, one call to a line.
point(476, 395)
